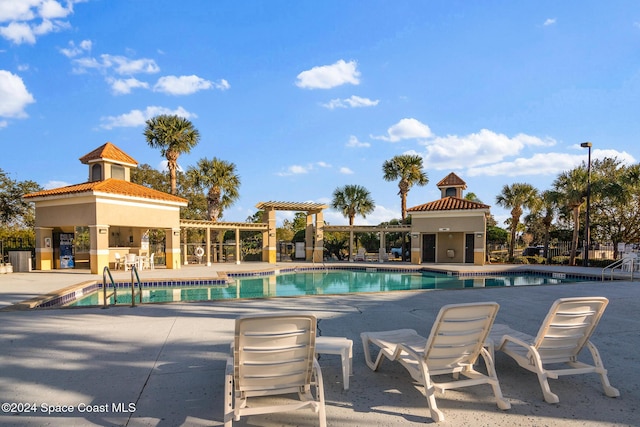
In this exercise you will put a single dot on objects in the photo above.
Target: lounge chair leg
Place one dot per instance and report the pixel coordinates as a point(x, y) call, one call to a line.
point(609, 390)
point(430, 393)
point(367, 353)
point(549, 397)
point(502, 403)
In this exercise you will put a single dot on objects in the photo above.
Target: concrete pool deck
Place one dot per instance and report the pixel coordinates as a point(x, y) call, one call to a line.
point(163, 365)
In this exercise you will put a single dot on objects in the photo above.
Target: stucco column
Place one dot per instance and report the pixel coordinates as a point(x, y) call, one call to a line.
point(415, 248)
point(207, 249)
point(479, 248)
point(269, 239)
point(382, 251)
point(172, 249)
point(318, 253)
point(238, 254)
point(44, 248)
point(308, 238)
point(99, 252)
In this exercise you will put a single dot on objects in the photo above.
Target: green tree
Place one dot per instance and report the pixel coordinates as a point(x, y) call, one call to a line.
point(406, 168)
point(615, 202)
point(14, 211)
point(517, 197)
point(571, 187)
point(218, 178)
point(173, 135)
point(150, 177)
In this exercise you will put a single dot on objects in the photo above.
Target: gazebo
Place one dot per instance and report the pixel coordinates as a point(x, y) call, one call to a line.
point(89, 223)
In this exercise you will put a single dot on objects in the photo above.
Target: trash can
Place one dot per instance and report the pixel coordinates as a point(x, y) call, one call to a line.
point(20, 260)
point(451, 253)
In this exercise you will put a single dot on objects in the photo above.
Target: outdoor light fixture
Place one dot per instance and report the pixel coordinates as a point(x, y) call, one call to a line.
point(587, 231)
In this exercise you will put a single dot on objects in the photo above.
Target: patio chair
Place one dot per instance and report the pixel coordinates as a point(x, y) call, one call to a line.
point(118, 261)
point(360, 255)
point(456, 341)
point(562, 336)
point(273, 355)
point(130, 260)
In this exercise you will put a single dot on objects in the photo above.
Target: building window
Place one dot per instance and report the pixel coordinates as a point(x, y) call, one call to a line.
point(96, 173)
point(450, 192)
point(117, 172)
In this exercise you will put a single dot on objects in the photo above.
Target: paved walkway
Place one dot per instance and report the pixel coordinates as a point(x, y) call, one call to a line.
point(163, 365)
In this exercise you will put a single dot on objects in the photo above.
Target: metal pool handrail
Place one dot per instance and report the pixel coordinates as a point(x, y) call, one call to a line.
point(106, 272)
point(619, 263)
point(134, 270)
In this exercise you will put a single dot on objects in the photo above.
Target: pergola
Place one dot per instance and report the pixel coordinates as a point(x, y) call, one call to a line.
point(237, 227)
point(314, 242)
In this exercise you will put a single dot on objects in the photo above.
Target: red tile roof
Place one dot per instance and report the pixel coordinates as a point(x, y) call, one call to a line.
point(448, 204)
point(452, 180)
point(108, 151)
point(112, 186)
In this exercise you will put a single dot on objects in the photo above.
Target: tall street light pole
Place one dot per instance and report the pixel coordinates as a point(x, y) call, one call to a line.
point(587, 226)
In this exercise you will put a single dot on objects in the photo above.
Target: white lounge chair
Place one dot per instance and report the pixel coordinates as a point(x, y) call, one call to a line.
point(273, 355)
point(564, 333)
point(456, 341)
point(361, 255)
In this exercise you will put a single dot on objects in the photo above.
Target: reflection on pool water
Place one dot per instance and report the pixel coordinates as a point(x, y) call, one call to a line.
point(322, 282)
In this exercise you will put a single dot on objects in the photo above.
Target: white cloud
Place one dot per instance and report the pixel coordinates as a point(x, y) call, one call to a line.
point(28, 19)
point(14, 96)
point(353, 142)
point(549, 21)
point(55, 184)
point(186, 85)
point(126, 66)
point(119, 64)
point(329, 76)
point(124, 86)
point(406, 129)
point(346, 171)
point(300, 169)
point(136, 118)
point(482, 148)
point(73, 50)
point(294, 170)
point(352, 102)
point(380, 214)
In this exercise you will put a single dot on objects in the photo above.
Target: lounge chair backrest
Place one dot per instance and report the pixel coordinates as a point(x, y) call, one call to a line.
point(568, 326)
point(273, 354)
point(458, 334)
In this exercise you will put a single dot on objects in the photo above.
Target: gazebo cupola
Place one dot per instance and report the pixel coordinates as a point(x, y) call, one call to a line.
point(452, 186)
point(108, 161)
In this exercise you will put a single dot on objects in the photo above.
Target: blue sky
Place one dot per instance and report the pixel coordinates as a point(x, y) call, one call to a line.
point(307, 96)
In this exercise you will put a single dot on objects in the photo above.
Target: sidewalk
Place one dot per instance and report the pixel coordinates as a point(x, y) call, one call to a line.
point(163, 365)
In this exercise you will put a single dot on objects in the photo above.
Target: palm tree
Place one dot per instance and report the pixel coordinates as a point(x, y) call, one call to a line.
point(571, 187)
point(352, 200)
point(221, 182)
point(516, 197)
point(408, 169)
point(173, 135)
point(548, 206)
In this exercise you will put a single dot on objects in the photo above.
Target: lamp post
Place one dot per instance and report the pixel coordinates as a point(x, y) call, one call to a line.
point(587, 227)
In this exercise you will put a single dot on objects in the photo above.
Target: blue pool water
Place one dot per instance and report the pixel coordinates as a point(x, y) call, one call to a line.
point(322, 282)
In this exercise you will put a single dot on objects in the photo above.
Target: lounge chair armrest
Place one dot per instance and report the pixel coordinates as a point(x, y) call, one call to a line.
point(514, 340)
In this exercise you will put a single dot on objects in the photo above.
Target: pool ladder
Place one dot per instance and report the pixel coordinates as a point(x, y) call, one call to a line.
point(134, 272)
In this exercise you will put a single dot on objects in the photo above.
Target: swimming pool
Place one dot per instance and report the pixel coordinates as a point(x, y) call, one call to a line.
point(318, 282)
